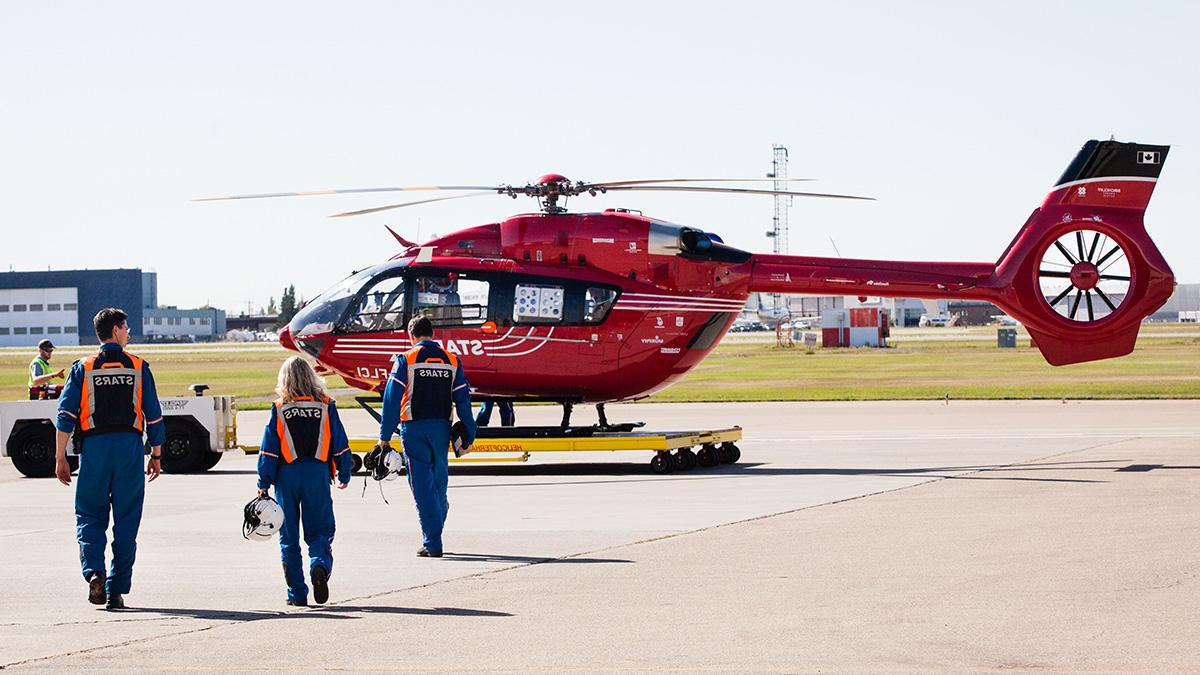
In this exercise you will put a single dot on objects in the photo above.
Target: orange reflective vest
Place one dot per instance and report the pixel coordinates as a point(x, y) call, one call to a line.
point(302, 425)
point(428, 393)
point(111, 396)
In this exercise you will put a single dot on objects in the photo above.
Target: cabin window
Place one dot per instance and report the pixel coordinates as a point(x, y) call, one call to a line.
point(597, 303)
point(380, 308)
point(538, 304)
point(451, 299)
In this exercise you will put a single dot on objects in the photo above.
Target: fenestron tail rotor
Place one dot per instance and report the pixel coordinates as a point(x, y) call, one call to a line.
point(1084, 275)
point(550, 188)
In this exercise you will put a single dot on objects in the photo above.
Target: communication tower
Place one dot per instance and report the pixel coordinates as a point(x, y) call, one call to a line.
point(779, 230)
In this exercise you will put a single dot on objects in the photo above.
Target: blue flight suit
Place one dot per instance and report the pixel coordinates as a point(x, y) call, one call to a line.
point(421, 406)
point(111, 477)
point(302, 490)
point(508, 416)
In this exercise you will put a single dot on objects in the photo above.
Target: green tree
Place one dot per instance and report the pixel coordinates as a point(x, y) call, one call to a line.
point(271, 308)
point(287, 306)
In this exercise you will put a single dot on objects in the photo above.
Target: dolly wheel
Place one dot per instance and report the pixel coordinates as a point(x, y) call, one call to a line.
point(708, 455)
point(685, 459)
point(356, 462)
point(662, 462)
point(724, 454)
point(736, 453)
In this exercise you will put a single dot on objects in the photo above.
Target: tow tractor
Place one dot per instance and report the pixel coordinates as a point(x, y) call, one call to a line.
point(201, 428)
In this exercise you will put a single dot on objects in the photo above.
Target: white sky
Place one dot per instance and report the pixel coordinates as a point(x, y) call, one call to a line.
point(956, 116)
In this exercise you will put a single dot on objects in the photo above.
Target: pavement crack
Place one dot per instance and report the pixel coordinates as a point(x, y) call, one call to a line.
point(95, 622)
point(89, 650)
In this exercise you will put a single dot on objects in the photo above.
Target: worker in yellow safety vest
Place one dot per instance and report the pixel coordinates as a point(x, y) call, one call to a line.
point(40, 373)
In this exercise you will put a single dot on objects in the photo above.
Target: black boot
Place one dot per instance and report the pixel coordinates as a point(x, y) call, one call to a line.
point(320, 582)
point(96, 594)
point(115, 601)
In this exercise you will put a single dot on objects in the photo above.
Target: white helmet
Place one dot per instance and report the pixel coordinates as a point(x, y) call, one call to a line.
point(394, 463)
point(262, 519)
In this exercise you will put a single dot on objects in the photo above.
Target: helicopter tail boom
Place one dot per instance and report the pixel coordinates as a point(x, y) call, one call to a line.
point(1081, 274)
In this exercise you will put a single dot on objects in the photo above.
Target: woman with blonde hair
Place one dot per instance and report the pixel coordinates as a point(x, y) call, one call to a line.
point(303, 448)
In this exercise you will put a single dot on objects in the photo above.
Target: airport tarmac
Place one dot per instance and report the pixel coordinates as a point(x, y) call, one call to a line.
point(914, 536)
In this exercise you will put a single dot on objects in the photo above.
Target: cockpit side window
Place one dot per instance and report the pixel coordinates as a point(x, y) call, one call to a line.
point(451, 299)
point(380, 308)
point(597, 303)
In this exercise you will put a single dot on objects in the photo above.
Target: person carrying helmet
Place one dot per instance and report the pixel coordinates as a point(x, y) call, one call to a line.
point(426, 385)
point(40, 373)
point(110, 397)
point(304, 447)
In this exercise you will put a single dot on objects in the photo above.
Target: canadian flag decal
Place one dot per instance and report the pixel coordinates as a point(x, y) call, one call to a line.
point(1147, 157)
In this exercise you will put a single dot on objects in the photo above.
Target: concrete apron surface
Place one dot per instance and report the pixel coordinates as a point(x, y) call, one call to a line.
point(910, 536)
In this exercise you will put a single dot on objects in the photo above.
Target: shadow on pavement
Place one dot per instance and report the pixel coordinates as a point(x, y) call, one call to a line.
point(495, 557)
point(219, 614)
point(315, 612)
point(421, 611)
point(752, 470)
point(619, 471)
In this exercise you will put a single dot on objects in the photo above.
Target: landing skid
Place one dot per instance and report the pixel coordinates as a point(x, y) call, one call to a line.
point(603, 424)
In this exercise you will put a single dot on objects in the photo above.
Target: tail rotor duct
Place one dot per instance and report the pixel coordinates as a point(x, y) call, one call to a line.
point(1084, 275)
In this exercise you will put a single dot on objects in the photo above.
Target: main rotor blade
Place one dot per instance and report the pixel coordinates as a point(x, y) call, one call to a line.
point(377, 209)
point(744, 191)
point(614, 183)
point(351, 191)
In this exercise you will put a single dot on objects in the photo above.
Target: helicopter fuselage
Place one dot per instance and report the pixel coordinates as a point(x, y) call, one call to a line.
point(586, 307)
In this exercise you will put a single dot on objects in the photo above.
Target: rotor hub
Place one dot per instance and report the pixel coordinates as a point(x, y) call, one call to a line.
point(1084, 275)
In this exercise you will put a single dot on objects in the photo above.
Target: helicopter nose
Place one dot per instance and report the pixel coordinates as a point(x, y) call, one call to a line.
point(285, 339)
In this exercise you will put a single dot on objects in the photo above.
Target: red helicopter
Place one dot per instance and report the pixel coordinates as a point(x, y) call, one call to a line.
point(598, 307)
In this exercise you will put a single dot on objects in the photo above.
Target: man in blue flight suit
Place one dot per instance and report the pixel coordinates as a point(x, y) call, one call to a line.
point(111, 398)
point(425, 385)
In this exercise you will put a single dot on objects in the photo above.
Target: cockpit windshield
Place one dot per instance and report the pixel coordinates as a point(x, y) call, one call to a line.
point(322, 313)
